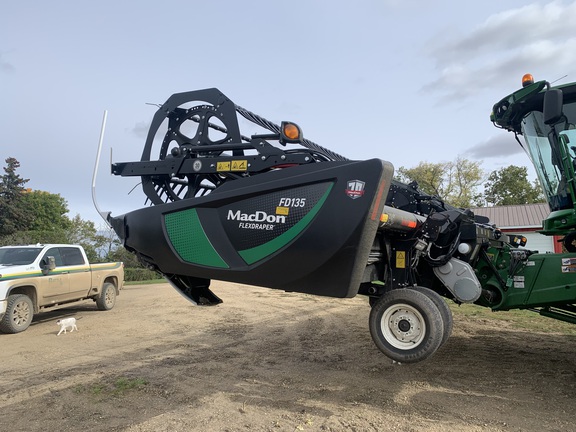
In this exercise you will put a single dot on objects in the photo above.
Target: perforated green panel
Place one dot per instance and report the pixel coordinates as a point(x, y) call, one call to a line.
point(189, 239)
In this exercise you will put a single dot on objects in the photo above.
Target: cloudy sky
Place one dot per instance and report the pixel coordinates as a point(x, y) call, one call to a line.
point(401, 80)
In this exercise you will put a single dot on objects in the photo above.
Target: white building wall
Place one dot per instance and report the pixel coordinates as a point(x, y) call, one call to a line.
point(536, 241)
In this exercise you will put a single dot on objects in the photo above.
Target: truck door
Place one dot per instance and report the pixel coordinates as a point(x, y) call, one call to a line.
point(78, 270)
point(55, 286)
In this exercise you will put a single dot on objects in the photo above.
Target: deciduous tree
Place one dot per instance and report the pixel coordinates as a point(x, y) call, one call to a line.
point(47, 211)
point(83, 232)
point(510, 186)
point(455, 182)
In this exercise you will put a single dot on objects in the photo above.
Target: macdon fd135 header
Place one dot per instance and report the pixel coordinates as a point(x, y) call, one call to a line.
point(276, 210)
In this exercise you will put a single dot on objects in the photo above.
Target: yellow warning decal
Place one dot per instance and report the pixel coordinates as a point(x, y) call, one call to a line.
point(282, 211)
point(223, 166)
point(239, 165)
point(400, 259)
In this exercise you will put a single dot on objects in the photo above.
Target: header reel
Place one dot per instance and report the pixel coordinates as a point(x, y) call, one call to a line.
point(202, 147)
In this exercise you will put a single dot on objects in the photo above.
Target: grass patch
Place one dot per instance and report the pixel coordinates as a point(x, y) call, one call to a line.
point(518, 319)
point(97, 389)
point(121, 386)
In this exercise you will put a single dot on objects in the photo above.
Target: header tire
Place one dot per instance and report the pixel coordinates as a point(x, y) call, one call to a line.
point(406, 325)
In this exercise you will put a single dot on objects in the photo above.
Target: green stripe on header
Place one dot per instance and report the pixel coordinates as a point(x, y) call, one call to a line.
point(250, 256)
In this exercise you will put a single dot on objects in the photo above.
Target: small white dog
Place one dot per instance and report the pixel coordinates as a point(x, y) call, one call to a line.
point(66, 323)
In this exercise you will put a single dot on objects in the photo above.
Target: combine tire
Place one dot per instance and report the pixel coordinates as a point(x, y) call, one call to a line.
point(406, 325)
point(19, 314)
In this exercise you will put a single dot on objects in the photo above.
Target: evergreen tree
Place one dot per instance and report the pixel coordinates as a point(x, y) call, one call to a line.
point(13, 214)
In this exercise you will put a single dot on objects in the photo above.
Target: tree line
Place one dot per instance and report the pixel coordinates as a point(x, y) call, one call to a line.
point(31, 216)
point(459, 183)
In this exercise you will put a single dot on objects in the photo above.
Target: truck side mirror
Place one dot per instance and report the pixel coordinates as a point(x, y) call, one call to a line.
point(48, 264)
point(553, 100)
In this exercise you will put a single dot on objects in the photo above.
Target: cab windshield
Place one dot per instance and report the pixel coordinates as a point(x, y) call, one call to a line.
point(543, 149)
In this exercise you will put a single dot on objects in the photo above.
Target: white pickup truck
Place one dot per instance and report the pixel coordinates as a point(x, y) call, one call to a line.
point(37, 277)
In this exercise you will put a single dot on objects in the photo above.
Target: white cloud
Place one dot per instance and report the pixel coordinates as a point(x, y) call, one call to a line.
point(515, 28)
point(5, 66)
point(500, 145)
point(536, 38)
point(140, 129)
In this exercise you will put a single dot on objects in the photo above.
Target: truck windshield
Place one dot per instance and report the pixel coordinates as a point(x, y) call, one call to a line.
point(18, 256)
point(543, 149)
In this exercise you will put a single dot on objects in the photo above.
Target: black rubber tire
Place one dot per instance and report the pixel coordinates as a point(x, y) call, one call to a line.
point(406, 325)
point(19, 314)
point(107, 298)
point(442, 306)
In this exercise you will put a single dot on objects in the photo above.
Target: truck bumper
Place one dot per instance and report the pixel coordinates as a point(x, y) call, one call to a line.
point(3, 306)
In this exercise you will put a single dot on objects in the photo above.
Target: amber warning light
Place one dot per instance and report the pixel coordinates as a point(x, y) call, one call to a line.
point(290, 133)
point(527, 79)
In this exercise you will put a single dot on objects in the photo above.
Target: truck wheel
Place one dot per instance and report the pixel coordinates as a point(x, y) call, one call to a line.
point(445, 311)
point(107, 298)
point(19, 314)
point(406, 325)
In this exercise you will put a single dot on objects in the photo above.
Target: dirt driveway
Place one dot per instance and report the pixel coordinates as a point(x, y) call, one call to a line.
point(266, 360)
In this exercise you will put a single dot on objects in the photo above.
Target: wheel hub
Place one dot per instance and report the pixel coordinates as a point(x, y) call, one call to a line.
point(404, 325)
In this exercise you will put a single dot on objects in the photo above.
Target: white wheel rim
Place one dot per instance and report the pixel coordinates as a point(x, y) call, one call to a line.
point(403, 326)
point(109, 297)
point(21, 313)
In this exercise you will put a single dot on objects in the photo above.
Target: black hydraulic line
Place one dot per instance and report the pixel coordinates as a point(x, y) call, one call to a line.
point(443, 259)
point(494, 269)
